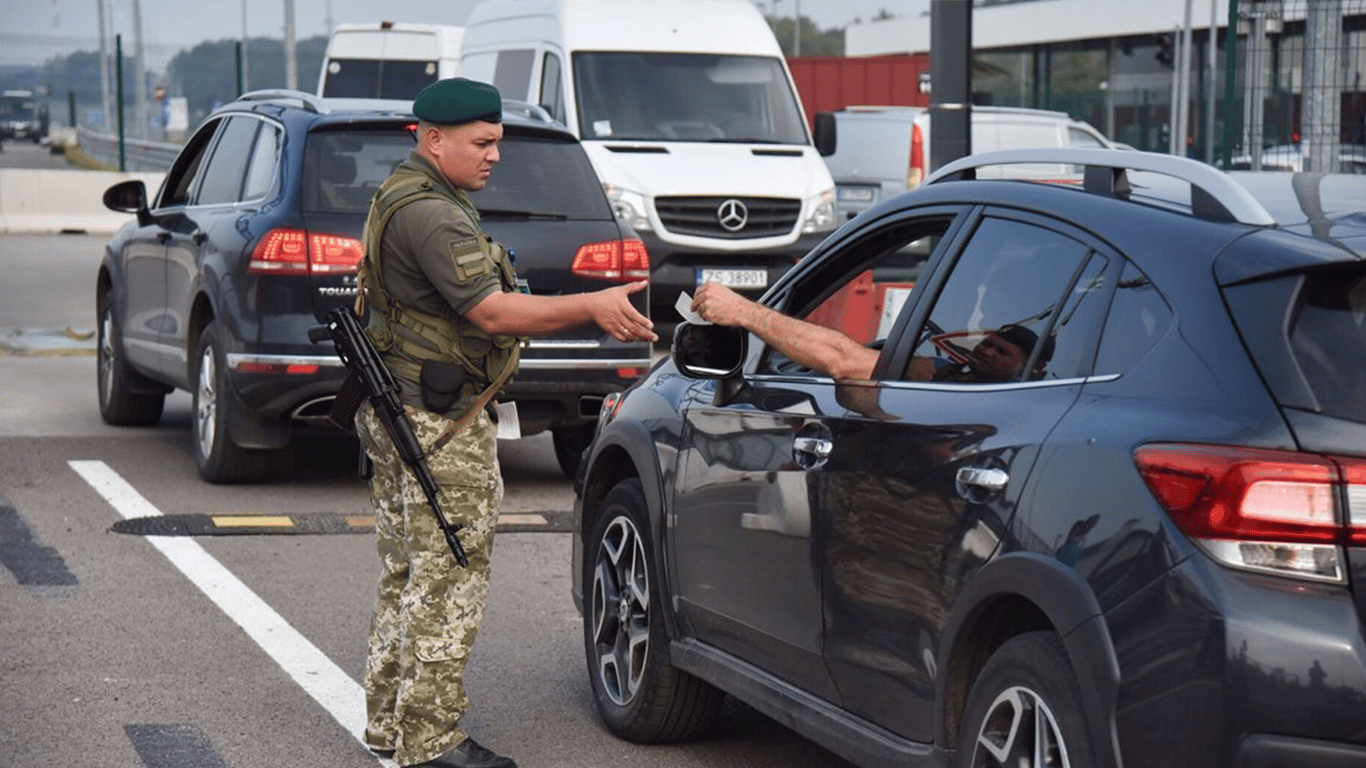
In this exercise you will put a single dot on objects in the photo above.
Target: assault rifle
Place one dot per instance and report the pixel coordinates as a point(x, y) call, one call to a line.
point(370, 380)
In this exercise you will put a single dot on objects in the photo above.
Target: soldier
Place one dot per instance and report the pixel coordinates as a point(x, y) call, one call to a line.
point(448, 320)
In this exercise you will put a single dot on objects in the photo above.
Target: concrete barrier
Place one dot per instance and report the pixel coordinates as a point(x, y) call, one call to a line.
point(47, 201)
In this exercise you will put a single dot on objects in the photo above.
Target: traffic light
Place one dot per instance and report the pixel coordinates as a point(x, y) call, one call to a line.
point(1165, 53)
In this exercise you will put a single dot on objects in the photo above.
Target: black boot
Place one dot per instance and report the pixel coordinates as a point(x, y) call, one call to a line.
point(469, 754)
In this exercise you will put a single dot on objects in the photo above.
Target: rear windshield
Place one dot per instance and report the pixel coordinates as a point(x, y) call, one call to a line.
point(535, 177)
point(1328, 340)
point(378, 78)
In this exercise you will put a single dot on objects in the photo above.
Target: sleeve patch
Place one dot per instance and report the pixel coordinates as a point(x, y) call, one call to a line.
point(469, 260)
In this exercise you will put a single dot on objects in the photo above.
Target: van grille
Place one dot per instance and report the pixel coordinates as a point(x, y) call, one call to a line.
point(731, 218)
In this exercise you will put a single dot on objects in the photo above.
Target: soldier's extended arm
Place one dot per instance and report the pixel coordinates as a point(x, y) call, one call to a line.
point(370, 380)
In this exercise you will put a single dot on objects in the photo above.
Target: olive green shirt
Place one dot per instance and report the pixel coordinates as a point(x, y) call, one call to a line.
point(421, 246)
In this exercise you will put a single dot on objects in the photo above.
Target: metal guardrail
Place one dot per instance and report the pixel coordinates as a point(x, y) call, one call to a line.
point(138, 154)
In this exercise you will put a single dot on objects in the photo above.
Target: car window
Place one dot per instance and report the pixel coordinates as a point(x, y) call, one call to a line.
point(1138, 318)
point(179, 183)
point(264, 160)
point(863, 295)
point(512, 73)
point(552, 96)
point(542, 176)
point(227, 166)
point(343, 168)
point(1328, 338)
point(992, 321)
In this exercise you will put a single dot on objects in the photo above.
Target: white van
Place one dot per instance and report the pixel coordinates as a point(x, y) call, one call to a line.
point(690, 117)
point(876, 152)
point(388, 60)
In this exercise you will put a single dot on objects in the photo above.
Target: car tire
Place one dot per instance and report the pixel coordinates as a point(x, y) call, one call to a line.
point(1025, 709)
point(640, 695)
point(126, 397)
point(570, 443)
point(220, 460)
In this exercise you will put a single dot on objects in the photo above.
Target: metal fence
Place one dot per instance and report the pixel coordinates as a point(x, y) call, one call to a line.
point(133, 155)
point(1300, 89)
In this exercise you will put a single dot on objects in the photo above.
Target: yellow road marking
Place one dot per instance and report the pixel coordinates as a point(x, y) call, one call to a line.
point(252, 521)
point(516, 519)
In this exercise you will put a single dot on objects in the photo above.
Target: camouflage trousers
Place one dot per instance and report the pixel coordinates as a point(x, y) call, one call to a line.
point(428, 608)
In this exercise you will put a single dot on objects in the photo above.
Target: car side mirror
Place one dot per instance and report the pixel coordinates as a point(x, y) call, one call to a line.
point(825, 133)
point(709, 351)
point(129, 197)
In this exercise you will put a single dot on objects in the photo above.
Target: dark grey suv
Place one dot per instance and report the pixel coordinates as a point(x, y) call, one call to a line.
point(255, 234)
point(1146, 547)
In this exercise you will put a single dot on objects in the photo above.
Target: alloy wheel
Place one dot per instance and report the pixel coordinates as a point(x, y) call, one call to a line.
point(620, 610)
point(1020, 730)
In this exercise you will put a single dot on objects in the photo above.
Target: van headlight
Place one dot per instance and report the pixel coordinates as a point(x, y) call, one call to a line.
point(628, 206)
point(822, 216)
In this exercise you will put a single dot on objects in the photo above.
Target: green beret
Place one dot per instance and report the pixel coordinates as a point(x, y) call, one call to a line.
point(458, 100)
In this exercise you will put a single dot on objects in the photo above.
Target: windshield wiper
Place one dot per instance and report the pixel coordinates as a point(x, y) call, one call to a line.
point(743, 140)
point(506, 213)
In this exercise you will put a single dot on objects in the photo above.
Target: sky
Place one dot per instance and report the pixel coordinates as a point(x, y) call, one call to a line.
point(31, 31)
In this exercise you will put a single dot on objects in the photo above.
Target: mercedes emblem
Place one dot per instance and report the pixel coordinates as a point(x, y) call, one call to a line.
point(732, 215)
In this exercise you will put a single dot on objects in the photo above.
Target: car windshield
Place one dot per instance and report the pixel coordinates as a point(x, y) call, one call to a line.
point(536, 177)
point(685, 97)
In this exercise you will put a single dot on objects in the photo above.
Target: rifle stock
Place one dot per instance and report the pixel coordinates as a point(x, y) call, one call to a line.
point(370, 380)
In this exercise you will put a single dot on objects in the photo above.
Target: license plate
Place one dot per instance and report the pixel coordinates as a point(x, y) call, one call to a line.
point(854, 194)
point(734, 278)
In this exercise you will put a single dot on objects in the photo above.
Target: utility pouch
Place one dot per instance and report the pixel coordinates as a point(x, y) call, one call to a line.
point(440, 383)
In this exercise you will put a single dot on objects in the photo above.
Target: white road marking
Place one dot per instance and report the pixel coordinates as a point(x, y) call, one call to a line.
point(341, 696)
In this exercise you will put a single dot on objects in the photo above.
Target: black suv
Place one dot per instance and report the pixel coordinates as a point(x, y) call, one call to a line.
point(255, 235)
point(1143, 547)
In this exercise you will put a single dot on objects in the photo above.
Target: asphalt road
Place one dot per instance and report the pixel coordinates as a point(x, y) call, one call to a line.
point(235, 648)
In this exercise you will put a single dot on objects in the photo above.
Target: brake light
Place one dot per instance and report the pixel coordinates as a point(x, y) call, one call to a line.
point(619, 260)
point(1272, 511)
point(297, 252)
point(915, 171)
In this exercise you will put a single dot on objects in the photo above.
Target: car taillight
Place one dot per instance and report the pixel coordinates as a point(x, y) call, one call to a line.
point(620, 260)
point(1271, 511)
point(915, 171)
point(298, 252)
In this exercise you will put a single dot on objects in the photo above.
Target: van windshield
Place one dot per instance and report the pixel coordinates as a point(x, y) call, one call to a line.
point(378, 78)
point(685, 97)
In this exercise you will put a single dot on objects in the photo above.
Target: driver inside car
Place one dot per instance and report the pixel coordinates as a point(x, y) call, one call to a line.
point(999, 357)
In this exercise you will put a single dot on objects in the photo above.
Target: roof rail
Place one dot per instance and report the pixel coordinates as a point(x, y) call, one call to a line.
point(1213, 193)
point(308, 101)
point(528, 110)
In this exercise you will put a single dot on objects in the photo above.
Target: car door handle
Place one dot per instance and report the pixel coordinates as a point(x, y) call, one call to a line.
point(817, 447)
point(199, 236)
point(980, 477)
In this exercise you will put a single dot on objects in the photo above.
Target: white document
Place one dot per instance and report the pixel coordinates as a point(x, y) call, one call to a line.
point(684, 307)
point(509, 427)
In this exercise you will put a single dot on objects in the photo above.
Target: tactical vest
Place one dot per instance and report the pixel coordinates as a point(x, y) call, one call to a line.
point(417, 336)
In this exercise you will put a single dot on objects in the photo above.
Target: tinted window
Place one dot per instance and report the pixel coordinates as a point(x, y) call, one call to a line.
point(542, 176)
point(1138, 318)
point(995, 312)
point(377, 78)
point(1328, 338)
point(261, 167)
point(180, 179)
point(344, 168)
point(223, 178)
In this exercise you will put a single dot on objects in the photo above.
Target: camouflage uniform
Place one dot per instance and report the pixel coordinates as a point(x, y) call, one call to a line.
point(428, 262)
point(428, 607)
